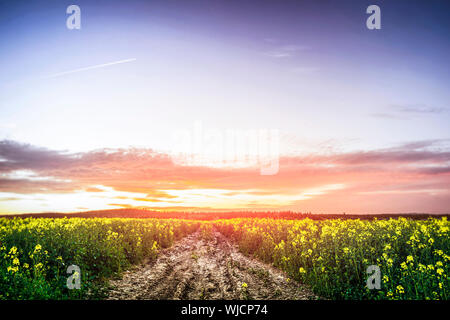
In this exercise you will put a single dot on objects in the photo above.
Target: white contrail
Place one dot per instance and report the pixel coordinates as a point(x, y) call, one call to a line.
point(89, 68)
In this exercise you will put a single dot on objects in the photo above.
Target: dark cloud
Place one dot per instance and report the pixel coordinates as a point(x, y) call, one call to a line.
point(26, 186)
point(404, 111)
point(415, 153)
point(17, 156)
point(417, 108)
point(149, 172)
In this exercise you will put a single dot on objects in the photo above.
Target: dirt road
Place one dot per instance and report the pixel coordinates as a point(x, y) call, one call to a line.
point(195, 268)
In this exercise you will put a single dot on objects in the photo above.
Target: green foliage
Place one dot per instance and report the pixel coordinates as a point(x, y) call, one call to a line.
point(332, 256)
point(35, 253)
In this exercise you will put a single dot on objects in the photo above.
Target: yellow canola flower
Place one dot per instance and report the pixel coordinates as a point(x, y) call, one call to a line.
point(12, 269)
point(400, 289)
point(390, 262)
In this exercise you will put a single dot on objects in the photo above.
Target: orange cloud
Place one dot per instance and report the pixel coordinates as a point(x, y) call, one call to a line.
point(411, 177)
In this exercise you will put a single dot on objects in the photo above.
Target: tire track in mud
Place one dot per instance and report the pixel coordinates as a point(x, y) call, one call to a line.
point(197, 268)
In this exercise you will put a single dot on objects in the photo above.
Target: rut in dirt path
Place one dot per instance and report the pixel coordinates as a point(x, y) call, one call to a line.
point(195, 268)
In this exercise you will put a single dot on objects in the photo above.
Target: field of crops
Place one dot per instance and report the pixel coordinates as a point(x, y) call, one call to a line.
point(35, 253)
point(331, 256)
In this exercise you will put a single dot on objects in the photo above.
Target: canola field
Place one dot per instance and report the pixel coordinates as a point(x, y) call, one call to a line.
point(330, 256)
point(35, 253)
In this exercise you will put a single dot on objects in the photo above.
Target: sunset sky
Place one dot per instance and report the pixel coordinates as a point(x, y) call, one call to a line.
point(92, 118)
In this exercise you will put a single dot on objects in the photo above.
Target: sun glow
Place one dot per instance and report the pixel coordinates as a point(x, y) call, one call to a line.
point(102, 197)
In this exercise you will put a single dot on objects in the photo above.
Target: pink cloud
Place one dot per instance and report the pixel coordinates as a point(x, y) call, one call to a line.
point(409, 177)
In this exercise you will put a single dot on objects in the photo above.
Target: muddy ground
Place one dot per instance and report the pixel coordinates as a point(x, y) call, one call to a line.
point(195, 268)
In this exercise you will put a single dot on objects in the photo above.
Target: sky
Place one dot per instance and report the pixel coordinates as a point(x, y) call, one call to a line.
point(225, 105)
